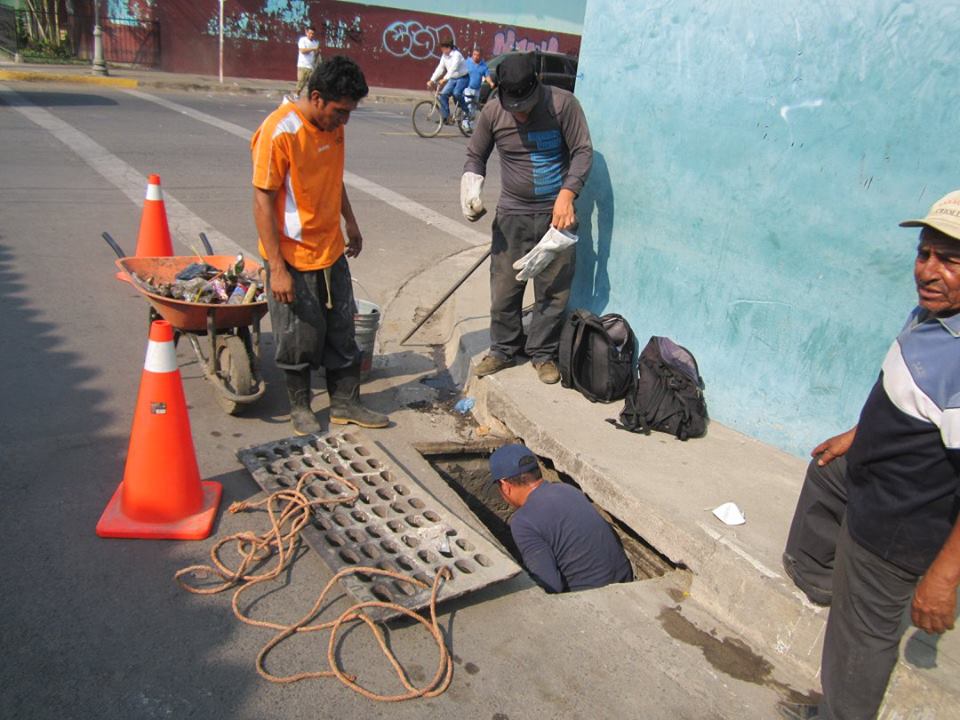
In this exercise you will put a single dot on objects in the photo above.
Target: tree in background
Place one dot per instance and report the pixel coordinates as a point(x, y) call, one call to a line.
point(41, 30)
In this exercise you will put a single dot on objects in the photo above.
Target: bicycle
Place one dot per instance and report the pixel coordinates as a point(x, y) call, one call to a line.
point(471, 99)
point(428, 122)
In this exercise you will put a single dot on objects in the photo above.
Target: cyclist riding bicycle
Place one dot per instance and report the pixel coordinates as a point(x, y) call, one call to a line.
point(452, 74)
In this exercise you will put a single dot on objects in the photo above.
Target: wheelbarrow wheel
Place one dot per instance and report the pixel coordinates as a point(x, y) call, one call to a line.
point(234, 368)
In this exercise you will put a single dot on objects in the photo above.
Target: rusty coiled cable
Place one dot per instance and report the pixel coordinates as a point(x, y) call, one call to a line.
point(290, 511)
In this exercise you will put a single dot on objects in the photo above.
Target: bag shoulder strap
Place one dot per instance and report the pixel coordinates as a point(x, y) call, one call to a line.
point(587, 323)
point(576, 351)
point(568, 338)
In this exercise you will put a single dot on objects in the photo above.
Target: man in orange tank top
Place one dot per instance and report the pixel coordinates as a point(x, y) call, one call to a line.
point(298, 201)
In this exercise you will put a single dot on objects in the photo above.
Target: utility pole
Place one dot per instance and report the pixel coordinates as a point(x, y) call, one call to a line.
point(221, 42)
point(99, 66)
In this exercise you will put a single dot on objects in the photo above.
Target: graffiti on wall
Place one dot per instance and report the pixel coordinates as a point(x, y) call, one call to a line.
point(340, 34)
point(504, 41)
point(123, 12)
point(242, 26)
point(414, 40)
point(261, 33)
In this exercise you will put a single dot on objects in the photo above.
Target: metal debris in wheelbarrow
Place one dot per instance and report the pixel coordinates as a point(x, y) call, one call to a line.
point(201, 282)
point(183, 314)
point(232, 331)
point(395, 524)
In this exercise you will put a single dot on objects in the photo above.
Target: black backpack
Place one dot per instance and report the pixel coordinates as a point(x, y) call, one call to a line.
point(668, 395)
point(596, 355)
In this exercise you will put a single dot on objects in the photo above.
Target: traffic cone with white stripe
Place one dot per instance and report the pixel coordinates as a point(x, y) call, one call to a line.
point(154, 239)
point(161, 495)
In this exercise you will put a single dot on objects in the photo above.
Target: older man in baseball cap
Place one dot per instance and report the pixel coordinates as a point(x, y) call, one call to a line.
point(563, 541)
point(875, 529)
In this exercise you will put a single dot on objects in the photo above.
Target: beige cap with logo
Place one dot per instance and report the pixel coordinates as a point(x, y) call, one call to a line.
point(943, 216)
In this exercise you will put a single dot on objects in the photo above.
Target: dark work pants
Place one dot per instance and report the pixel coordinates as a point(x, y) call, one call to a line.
point(809, 555)
point(513, 237)
point(866, 621)
point(869, 596)
point(306, 332)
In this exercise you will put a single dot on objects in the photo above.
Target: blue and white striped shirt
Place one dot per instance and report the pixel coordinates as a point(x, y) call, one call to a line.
point(904, 465)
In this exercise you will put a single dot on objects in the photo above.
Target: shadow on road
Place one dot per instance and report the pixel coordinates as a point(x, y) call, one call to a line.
point(51, 99)
point(92, 628)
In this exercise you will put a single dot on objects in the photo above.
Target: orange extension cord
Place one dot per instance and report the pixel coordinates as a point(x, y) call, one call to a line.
point(289, 511)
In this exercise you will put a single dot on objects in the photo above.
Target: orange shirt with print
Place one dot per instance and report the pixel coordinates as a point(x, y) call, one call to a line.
point(305, 166)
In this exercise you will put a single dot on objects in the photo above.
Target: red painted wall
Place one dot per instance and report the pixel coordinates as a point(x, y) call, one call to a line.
point(395, 48)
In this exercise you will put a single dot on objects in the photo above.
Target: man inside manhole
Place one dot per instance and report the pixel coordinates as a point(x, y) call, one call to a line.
point(564, 543)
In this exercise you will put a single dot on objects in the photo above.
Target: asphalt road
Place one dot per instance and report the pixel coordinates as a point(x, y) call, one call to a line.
point(96, 628)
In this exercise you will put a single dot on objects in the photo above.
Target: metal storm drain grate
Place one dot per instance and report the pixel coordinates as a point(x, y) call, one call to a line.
point(394, 524)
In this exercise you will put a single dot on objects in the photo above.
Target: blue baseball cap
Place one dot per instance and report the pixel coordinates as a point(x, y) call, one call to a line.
point(510, 461)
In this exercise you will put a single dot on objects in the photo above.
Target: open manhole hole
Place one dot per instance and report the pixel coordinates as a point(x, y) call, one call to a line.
point(466, 471)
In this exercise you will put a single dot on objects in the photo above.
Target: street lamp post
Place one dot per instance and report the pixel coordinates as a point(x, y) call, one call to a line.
point(99, 66)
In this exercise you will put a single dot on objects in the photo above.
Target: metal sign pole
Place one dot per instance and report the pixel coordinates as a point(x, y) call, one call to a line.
point(221, 42)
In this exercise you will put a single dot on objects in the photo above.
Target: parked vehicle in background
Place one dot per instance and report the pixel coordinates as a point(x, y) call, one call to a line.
point(556, 69)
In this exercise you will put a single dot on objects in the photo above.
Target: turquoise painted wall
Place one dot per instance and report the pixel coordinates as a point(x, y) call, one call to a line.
point(754, 160)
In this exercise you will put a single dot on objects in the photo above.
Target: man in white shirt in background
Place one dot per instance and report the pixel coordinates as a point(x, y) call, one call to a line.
point(308, 52)
point(452, 74)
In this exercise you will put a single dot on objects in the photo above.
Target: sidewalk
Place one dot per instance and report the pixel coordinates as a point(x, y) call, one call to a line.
point(663, 489)
point(128, 78)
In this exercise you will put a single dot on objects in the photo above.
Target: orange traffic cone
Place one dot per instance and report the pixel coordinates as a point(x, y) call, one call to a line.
point(161, 495)
point(153, 240)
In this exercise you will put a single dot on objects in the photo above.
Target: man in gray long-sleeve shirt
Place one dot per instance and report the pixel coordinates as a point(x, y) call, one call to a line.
point(542, 139)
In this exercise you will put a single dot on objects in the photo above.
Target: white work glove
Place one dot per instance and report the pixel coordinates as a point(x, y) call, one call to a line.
point(470, 203)
point(551, 244)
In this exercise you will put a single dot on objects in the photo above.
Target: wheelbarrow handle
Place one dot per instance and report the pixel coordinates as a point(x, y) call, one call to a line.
point(206, 243)
point(113, 243)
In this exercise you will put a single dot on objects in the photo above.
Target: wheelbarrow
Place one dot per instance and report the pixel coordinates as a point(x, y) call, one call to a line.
point(232, 351)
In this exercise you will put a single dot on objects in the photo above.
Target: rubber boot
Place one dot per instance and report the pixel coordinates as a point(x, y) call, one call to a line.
point(298, 390)
point(344, 388)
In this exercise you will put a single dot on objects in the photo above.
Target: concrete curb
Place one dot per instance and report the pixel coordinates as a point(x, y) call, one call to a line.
point(737, 576)
point(32, 76)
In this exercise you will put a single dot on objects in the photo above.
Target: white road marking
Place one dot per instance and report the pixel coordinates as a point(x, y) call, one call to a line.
point(232, 128)
point(416, 210)
point(761, 568)
point(183, 223)
point(385, 113)
point(384, 195)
